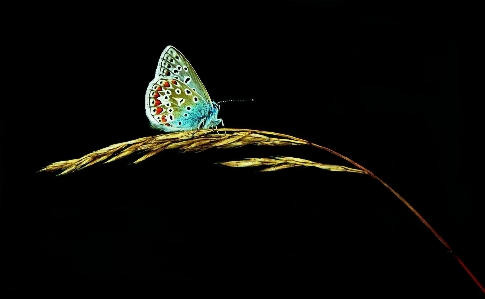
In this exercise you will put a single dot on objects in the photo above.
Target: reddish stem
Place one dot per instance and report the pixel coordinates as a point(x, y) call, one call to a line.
point(435, 233)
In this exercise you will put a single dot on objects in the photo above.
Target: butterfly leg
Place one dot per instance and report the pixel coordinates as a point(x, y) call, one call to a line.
point(201, 123)
point(222, 123)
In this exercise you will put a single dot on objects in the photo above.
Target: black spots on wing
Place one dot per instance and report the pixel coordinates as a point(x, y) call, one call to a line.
point(180, 123)
point(187, 91)
point(178, 91)
point(186, 68)
point(186, 115)
point(187, 80)
point(195, 99)
point(189, 108)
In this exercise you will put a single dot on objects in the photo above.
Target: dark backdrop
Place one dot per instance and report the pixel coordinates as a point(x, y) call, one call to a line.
point(384, 84)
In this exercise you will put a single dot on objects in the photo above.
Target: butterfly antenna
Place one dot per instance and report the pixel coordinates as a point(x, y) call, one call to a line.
point(252, 100)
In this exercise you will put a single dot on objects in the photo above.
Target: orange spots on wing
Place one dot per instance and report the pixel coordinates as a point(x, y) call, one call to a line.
point(159, 88)
point(157, 102)
point(164, 119)
point(174, 82)
point(167, 72)
point(156, 95)
point(159, 110)
point(166, 84)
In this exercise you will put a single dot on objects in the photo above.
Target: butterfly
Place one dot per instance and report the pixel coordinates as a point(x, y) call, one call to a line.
point(176, 99)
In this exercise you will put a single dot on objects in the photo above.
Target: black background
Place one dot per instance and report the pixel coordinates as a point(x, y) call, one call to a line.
point(384, 84)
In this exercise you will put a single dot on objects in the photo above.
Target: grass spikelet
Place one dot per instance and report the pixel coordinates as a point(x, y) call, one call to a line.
point(278, 163)
point(148, 155)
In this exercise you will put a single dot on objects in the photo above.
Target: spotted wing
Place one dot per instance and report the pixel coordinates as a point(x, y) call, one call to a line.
point(172, 105)
point(172, 63)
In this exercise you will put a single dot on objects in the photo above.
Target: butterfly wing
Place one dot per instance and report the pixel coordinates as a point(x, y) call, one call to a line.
point(176, 99)
point(174, 106)
point(174, 64)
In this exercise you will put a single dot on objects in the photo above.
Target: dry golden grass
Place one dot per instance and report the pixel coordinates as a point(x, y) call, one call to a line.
point(195, 141)
point(278, 163)
point(201, 140)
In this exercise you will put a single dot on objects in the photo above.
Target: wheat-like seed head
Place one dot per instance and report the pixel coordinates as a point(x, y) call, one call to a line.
point(192, 141)
point(277, 163)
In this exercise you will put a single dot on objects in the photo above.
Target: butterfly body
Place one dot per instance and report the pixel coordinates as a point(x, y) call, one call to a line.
point(176, 99)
